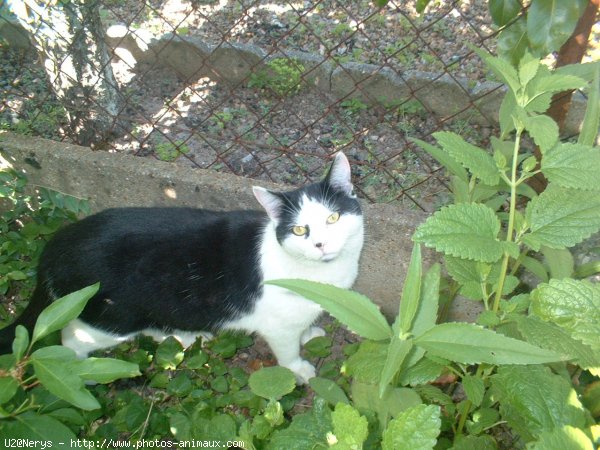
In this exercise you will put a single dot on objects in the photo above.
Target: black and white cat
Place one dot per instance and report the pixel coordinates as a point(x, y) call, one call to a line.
point(188, 272)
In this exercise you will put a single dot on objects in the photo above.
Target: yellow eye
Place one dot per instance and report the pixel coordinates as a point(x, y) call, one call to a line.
point(333, 218)
point(299, 230)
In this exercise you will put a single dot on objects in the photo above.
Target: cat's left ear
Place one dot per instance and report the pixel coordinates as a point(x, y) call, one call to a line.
point(270, 201)
point(340, 175)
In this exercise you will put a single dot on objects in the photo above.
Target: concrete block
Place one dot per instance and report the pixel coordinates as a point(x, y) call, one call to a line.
point(443, 95)
point(115, 180)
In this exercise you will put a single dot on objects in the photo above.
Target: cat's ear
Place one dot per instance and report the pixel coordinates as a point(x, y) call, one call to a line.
point(271, 202)
point(340, 175)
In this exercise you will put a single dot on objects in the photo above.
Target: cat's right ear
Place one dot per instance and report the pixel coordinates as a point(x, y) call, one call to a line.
point(271, 202)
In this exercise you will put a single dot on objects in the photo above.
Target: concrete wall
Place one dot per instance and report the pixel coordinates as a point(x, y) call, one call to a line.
point(112, 180)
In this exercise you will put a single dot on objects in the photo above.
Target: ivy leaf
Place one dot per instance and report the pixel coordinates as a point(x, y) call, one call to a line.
point(463, 230)
point(416, 428)
point(503, 11)
point(471, 344)
point(551, 22)
point(533, 400)
point(169, 353)
point(272, 382)
point(561, 217)
point(62, 311)
point(543, 130)
point(480, 163)
point(354, 310)
point(562, 438)
point(573, 305)
point(349, 427)
point(573, 166)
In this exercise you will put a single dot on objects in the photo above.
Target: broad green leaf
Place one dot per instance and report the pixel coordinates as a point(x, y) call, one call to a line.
point(472, 442)
point(328, 390)
point(349, 427)
point(105, 370)
point(503, 11)
point(416, 428)
point(554, 82)
point(411, 291)
point(480, 163)
point(561, 217)
point(62, 311)
point(560, 262)
point(8, 388)
point(393, 403)
point(552, 337)
point(366, 364)
point(573, 166)
point(551, 22)
point(422, 372)
point(566, 437)
point(506, 113)
point(169, 353)
point(307, 431)
point(21, 342)
point(535, 267)
point(543, 130)
point(398, 350)
point(58, 377)
point(528, 68)
point(466, 231)
point(591, 120)
point(36, 427)
point(587, 70)
point(574, 305)
point(513, 41)
point(272, 382)
point(444, 159)
point(474, 388)
point(471, 344)
point(533, 400)
point(354, 310)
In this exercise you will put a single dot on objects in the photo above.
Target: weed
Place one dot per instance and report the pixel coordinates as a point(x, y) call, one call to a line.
point(282, 76)
point(170, 151)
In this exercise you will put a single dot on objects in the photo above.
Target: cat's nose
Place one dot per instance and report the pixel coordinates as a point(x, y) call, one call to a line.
point(319, 245)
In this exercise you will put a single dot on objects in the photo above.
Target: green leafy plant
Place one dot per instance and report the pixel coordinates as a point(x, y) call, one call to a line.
point(282, 76)
point(170, 151)
point(26, 223)
point(517, 364)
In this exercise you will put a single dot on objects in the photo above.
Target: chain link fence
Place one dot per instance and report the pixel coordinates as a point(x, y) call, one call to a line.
point(272, 89)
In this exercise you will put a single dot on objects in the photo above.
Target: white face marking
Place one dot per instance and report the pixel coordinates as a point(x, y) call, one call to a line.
point(324, 241)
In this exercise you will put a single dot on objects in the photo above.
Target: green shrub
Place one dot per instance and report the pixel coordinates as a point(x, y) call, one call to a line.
point(282, 76)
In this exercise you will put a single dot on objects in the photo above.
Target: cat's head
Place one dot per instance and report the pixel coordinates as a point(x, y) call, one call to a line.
point(320, 221)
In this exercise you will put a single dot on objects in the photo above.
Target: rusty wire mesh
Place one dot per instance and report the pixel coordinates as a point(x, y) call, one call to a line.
point(272, 89)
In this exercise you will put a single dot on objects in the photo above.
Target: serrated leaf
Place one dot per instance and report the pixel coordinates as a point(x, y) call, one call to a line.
point(573, 166)
point(426, 314)
point(444, 159)
point(354, 310)
point(393, 403)
point(561, 217)
point(574, 305)
point(543, 130)
point(422, 372)
point(367, 362)
point(466, 231)
point(566, 437)
point(551, 22)
point(501, 68)
point(328, 390)
point(105, 370)
point(533, 400)
point(552, 337)
point(507, 108)
point(416, 428)
point(591, 120)
point(62, 311)
point(558, 83)
point(272, 382)
point(36, 427)
point(349, 427)
point(471, 442)
point(503, 11)
point(471, 344)
point(480, 163)
point(528, 68)
point(474, 388)
point(411, 291)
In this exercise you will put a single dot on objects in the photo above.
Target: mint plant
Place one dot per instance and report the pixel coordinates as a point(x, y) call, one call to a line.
point(518, 363)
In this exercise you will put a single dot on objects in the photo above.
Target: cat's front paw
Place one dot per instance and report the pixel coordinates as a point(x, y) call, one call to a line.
point(303, 370)
point(310, 333)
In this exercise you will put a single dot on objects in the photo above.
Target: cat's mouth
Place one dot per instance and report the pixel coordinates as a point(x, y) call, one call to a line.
point(326, 257)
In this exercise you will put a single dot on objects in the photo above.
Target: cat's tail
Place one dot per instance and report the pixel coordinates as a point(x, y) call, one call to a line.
point(39, 300)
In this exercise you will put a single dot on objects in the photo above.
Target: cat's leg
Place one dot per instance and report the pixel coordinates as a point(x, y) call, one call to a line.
point(186, 338)
point(286, 348)
point(310, 333)
point(84, 339)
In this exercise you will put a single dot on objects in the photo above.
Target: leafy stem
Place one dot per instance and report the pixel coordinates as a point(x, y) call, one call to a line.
point(513, 183)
